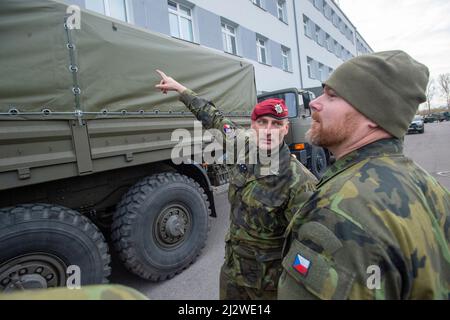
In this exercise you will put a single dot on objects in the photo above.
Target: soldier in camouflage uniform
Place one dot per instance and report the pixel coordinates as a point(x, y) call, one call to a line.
point(261, 203)
point(378, 226)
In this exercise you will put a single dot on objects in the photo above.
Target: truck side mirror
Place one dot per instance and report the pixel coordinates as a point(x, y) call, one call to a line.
point(306, 99)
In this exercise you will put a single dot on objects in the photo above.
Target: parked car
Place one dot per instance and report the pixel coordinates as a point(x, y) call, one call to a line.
point(417, 125)
point(446, 115)
point(429, 118)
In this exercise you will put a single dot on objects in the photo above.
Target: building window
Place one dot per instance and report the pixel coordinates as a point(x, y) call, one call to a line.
point(281, 9)
point(335, 19)
point(306, 26)
point(259, 3)
point(229, 38)
point(317, 34)
point(262, 50)
point(320, 72)
point(336, 49)
point(342, 27)
point(327, 10)
point(329, 42)
point(180, 19)
point(119, 9)
point(286, 56)
point(330, 71)
point(318, 4)
point(310, 67)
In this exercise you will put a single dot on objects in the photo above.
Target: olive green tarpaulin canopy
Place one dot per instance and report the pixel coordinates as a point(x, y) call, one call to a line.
point(112, 63)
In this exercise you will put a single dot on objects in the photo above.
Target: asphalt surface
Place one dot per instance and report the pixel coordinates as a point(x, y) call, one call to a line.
point(430, 150)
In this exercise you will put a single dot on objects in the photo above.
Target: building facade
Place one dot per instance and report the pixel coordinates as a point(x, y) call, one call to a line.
point(291, 43)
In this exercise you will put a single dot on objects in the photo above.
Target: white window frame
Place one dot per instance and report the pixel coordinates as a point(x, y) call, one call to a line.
point(307, 27)
point(330, 71)
point(309, 66)
point(129, 17)
point(286, 56)
point(320, 71)
point(337, 49)
point(282, 8)
point(326, 10)
point(227, 47)
point(259, 48)
point(335, 20)
point(329, 42)
point(179, 15)
point(317, 34)
point(259, 3)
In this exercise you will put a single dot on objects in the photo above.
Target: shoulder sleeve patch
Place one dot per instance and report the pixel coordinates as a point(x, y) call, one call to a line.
point(315, 273)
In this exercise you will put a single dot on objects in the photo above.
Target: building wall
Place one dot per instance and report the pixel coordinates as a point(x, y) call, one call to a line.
point(311, 47)
point(251, 21)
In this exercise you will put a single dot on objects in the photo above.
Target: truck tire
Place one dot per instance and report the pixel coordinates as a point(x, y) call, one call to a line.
point(38, 243)
point(318, 161)
point(161, 225)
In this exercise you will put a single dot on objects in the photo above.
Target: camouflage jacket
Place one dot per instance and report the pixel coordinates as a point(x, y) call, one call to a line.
point(261, 205)
point(90, 292)
point(378, 227)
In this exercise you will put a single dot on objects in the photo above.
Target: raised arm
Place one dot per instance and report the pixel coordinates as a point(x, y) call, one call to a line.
point(204, 110)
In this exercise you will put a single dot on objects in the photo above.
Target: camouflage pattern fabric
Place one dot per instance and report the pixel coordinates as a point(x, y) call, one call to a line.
point(261, 208)
point(231, 290)
point(94, 292)
point(373, 208)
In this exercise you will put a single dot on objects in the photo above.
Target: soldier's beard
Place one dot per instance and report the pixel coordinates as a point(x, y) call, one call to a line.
point(333, 134)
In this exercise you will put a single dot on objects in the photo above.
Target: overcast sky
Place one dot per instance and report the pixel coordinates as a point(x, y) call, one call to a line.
point(419, 27)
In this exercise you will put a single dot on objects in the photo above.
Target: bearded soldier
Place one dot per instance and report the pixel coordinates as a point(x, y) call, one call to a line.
point(378, 226)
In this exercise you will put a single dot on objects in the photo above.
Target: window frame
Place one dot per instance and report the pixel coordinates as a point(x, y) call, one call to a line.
point(286, 54)
point(259, 47)
point(320, 71)
point(283, 9)
point(228, 35)
point(317, 34)
point(309, 67)
point(261, 4)
point(128, 7)
point(307, 27)
point(179, 14)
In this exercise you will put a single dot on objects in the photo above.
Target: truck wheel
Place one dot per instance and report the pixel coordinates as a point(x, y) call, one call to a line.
point(318, 161)
point(38, 242)
point(161, 225)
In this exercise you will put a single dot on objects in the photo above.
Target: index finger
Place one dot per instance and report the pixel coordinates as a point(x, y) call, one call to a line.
point(162, 74)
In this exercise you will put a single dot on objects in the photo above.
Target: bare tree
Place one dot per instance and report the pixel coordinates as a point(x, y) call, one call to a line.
point(431, 90)
point(444, 83)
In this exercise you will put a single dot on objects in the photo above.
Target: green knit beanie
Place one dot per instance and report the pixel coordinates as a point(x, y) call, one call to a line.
point(387, 87)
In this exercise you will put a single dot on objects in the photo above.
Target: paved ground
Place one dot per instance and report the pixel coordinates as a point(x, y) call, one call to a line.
point(200, 281)
point(431, 150)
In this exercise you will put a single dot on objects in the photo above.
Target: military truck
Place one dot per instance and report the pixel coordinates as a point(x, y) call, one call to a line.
point(86, 142)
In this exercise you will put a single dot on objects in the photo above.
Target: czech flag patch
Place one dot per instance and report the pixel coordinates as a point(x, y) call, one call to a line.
point(227, 128)
point(301, 264)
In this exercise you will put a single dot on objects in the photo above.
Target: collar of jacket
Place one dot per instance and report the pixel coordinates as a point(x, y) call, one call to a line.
point(383, 147)
point(284, 163)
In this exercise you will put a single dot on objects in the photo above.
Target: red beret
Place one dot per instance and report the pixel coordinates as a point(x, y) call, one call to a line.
point(275, 108)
